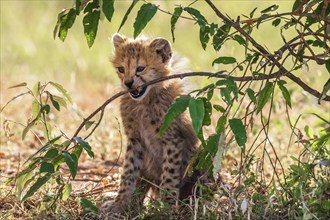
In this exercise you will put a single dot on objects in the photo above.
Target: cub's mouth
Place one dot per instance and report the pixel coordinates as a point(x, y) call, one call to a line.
point(135, 94)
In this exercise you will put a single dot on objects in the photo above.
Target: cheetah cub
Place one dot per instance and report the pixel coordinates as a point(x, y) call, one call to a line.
point(161, 160)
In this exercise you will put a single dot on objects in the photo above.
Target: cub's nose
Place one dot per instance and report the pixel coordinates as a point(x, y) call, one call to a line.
point(129, 83)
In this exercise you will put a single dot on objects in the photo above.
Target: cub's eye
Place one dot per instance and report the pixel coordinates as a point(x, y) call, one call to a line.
point(140, 69)
point(121, 69)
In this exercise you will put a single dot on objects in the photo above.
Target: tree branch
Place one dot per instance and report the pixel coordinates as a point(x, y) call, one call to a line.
point(96, 111)
point(206, 74)
point(265, 53)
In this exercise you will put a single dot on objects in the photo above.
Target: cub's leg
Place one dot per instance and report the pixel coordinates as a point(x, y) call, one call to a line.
point(172, 171)
point(131, 171)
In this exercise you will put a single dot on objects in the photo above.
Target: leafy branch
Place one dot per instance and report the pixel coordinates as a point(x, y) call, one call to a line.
point(273, 57)
point(191, 74)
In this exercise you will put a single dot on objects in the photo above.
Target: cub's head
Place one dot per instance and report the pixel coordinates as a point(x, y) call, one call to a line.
point(140, 61)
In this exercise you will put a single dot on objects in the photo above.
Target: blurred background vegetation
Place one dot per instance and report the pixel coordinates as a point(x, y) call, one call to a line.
point(29, 50)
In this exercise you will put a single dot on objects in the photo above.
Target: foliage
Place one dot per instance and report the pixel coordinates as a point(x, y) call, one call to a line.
point(242, 99)
point(43, 166)
point(308, 180)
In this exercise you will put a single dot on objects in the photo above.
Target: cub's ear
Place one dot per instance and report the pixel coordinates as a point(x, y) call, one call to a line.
point(118, 39)
point(163, 48)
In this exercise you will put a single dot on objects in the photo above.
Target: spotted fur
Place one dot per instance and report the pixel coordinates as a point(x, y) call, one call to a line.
point(161, 160)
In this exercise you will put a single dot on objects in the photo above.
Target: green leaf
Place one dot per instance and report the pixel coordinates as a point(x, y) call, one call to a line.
point(232, 87)
point(46, 167)
point(55, 103)
point(175, 16)
point(21, 183)
point(254, 58)
point(196, 110)
point(88, 206)
point(35, 109)
point(67, 189)
point(66, 22)
point(58, 23)
point(60, 101)
point(212, 144)
point(300, 53)
point(45, 147)
point(72, 161)
point(208, 111)
point(88, 124)
point(174, 111)
point(276, 22)
point(92, 5)
point(201, 20)
point(78, 6)
point(309, 132)
point(264, 96)
point(36, 186)
point(58, 160)
point(327, 10)
point(327, 65)
point(318, 43)
point(225, 95)
point(30, 167)
point(45, 109)
point(220, 36)
point(108, 9)
point(77, 150)
point(224, 60)
point(219, 108)
point(239, 131)
point(204, 89)
point(85, 145)
point(213, 28)
point(27, 128)
point(221, 124)
point(251, 95)
point(51, 153)
point(309, 42)
point(205, 161)
point(221, 82)
point(239, 39)
point(145, 14)
point(285, 92)
point(91, 22)
point(62, 91)
point(252, 12)
point(326, 88)
point(127, 13)
point(210, 94)
point(36, 89)
point(204, 37)
point(296, 5)
point(18, 85)
point(269, 9)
